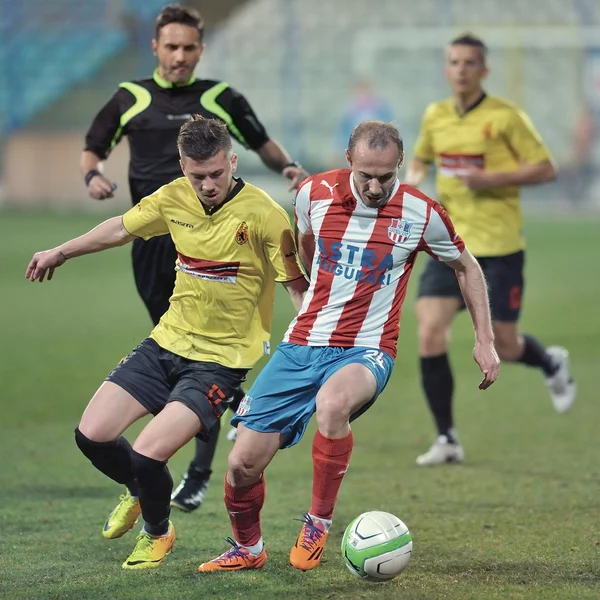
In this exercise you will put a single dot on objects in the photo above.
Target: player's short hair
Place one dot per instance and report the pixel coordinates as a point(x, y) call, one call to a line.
point(468, 39)
point(184, 15)
point(378, 134)
point(201, 138)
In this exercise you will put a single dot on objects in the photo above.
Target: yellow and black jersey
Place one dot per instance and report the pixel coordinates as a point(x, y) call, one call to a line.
point(493, 135)
point(227, 266)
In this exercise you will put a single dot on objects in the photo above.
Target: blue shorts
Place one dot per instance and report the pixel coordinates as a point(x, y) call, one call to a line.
point(283, 397)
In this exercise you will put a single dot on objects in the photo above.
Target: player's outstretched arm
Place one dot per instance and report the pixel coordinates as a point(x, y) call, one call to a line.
point(276, 158)
point(474, 291)
point(109, 234)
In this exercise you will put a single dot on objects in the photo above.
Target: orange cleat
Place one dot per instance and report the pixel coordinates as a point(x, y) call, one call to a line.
point(235, 559)
point(308, 550)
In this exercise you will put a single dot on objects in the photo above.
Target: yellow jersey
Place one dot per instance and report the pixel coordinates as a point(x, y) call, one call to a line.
point(493, 135)
point(228, 262)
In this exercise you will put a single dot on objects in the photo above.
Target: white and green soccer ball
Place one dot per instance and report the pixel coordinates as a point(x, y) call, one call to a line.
point(376, 546)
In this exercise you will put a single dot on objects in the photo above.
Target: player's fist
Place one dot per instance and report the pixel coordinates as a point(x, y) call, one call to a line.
point(486, 357)
point(478, 179)
point(44, 262)
point(100, 188)
point(296, 175)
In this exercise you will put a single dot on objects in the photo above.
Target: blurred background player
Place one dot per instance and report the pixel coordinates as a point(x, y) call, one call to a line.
point(226, 232)
point(149, 112)
point(484, 149)
point(359, 231)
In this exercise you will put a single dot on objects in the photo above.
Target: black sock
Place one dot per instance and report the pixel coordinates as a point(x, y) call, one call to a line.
point(111, 458)
point(156, 486)
point(438, 383)
point(535, 355)
point(200, 467)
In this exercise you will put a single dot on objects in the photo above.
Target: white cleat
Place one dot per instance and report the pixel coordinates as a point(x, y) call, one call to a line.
point(232, 434)
point(561, 386)
point(441, 452)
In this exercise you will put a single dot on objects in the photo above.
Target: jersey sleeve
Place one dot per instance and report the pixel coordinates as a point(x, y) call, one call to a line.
point(423, 150)
point(105, 131)
point(302, 208)
point(280, 247)
point(244, 125)
point(440, 240)
point(524, 140)
point(145, 219)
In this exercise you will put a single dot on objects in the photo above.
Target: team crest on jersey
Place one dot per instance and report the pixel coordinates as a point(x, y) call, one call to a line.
point(244, 406)
point(241, 234)
point(349, 203)
point(399, 231)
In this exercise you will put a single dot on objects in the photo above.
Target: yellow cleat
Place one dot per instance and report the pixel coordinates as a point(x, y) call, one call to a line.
point(149, 551)
point(122, 518)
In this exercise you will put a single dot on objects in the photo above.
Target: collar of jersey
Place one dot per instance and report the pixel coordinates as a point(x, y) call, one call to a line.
point(357, 195)
point(473, 106)
point(163, 83)
point(235, 190)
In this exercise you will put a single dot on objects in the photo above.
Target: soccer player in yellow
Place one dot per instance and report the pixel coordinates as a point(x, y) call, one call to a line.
point(233, 242)
point(484, 149)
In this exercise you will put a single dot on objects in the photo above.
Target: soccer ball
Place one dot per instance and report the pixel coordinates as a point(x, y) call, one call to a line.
point(376, 546)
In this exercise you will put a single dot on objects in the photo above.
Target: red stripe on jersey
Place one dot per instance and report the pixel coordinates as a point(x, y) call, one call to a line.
point(454, 237)
point(355, 311)
point(335, 219)
point(211, 267)
point(391, 329)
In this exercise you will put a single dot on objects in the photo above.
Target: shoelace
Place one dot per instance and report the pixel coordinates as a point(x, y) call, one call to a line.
point(311, 533)
point(144, 541)
point(235, 552)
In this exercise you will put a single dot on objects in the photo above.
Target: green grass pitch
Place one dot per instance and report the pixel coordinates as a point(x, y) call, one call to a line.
point(519, 520)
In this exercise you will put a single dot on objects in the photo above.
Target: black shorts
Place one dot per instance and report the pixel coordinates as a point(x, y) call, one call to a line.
point(155, 376)
point(504, 276)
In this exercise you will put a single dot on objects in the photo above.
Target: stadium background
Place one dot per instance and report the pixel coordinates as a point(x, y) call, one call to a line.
point(519, 519)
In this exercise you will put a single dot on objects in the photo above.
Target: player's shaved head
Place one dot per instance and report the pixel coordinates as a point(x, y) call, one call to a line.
point(201, 138)
point(378, 135)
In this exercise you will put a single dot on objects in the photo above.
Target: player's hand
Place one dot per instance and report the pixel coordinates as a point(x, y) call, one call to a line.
point(44, 262)
point(101, 188)
point(296, 175)
point(477, 179)
point(486, 357)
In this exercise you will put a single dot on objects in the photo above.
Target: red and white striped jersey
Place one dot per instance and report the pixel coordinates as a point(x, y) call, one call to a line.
point(363, 260)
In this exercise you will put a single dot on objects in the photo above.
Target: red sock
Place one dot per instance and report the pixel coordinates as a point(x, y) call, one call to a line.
point(331, 458)
point(244, 506)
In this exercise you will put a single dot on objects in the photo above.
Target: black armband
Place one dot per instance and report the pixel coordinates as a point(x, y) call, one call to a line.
point(90, 175)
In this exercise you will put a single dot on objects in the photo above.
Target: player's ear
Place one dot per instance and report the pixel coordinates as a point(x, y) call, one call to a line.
point(154, 46)
point(233, 162)
point(181, 165)
point(348, 158)
point(401, 160)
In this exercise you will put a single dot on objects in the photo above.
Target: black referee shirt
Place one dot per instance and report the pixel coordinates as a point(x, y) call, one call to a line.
point(151, 111)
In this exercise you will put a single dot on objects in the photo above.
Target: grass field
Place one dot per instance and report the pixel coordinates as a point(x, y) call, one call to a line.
point(520, 519)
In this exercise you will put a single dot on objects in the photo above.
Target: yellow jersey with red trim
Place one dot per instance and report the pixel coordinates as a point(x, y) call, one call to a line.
point(228, 262)
point(494, 135)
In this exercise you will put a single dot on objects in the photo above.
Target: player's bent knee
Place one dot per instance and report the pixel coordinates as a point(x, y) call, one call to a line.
point(94, 432)
point(333, 416)
point(508, 351)
point(243, 469)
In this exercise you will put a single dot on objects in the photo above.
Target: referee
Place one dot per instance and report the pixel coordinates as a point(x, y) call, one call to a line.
point(150, 113)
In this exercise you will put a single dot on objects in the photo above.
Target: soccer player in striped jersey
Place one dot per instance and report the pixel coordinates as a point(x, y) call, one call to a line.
point(359, 231)
point(484, 149)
